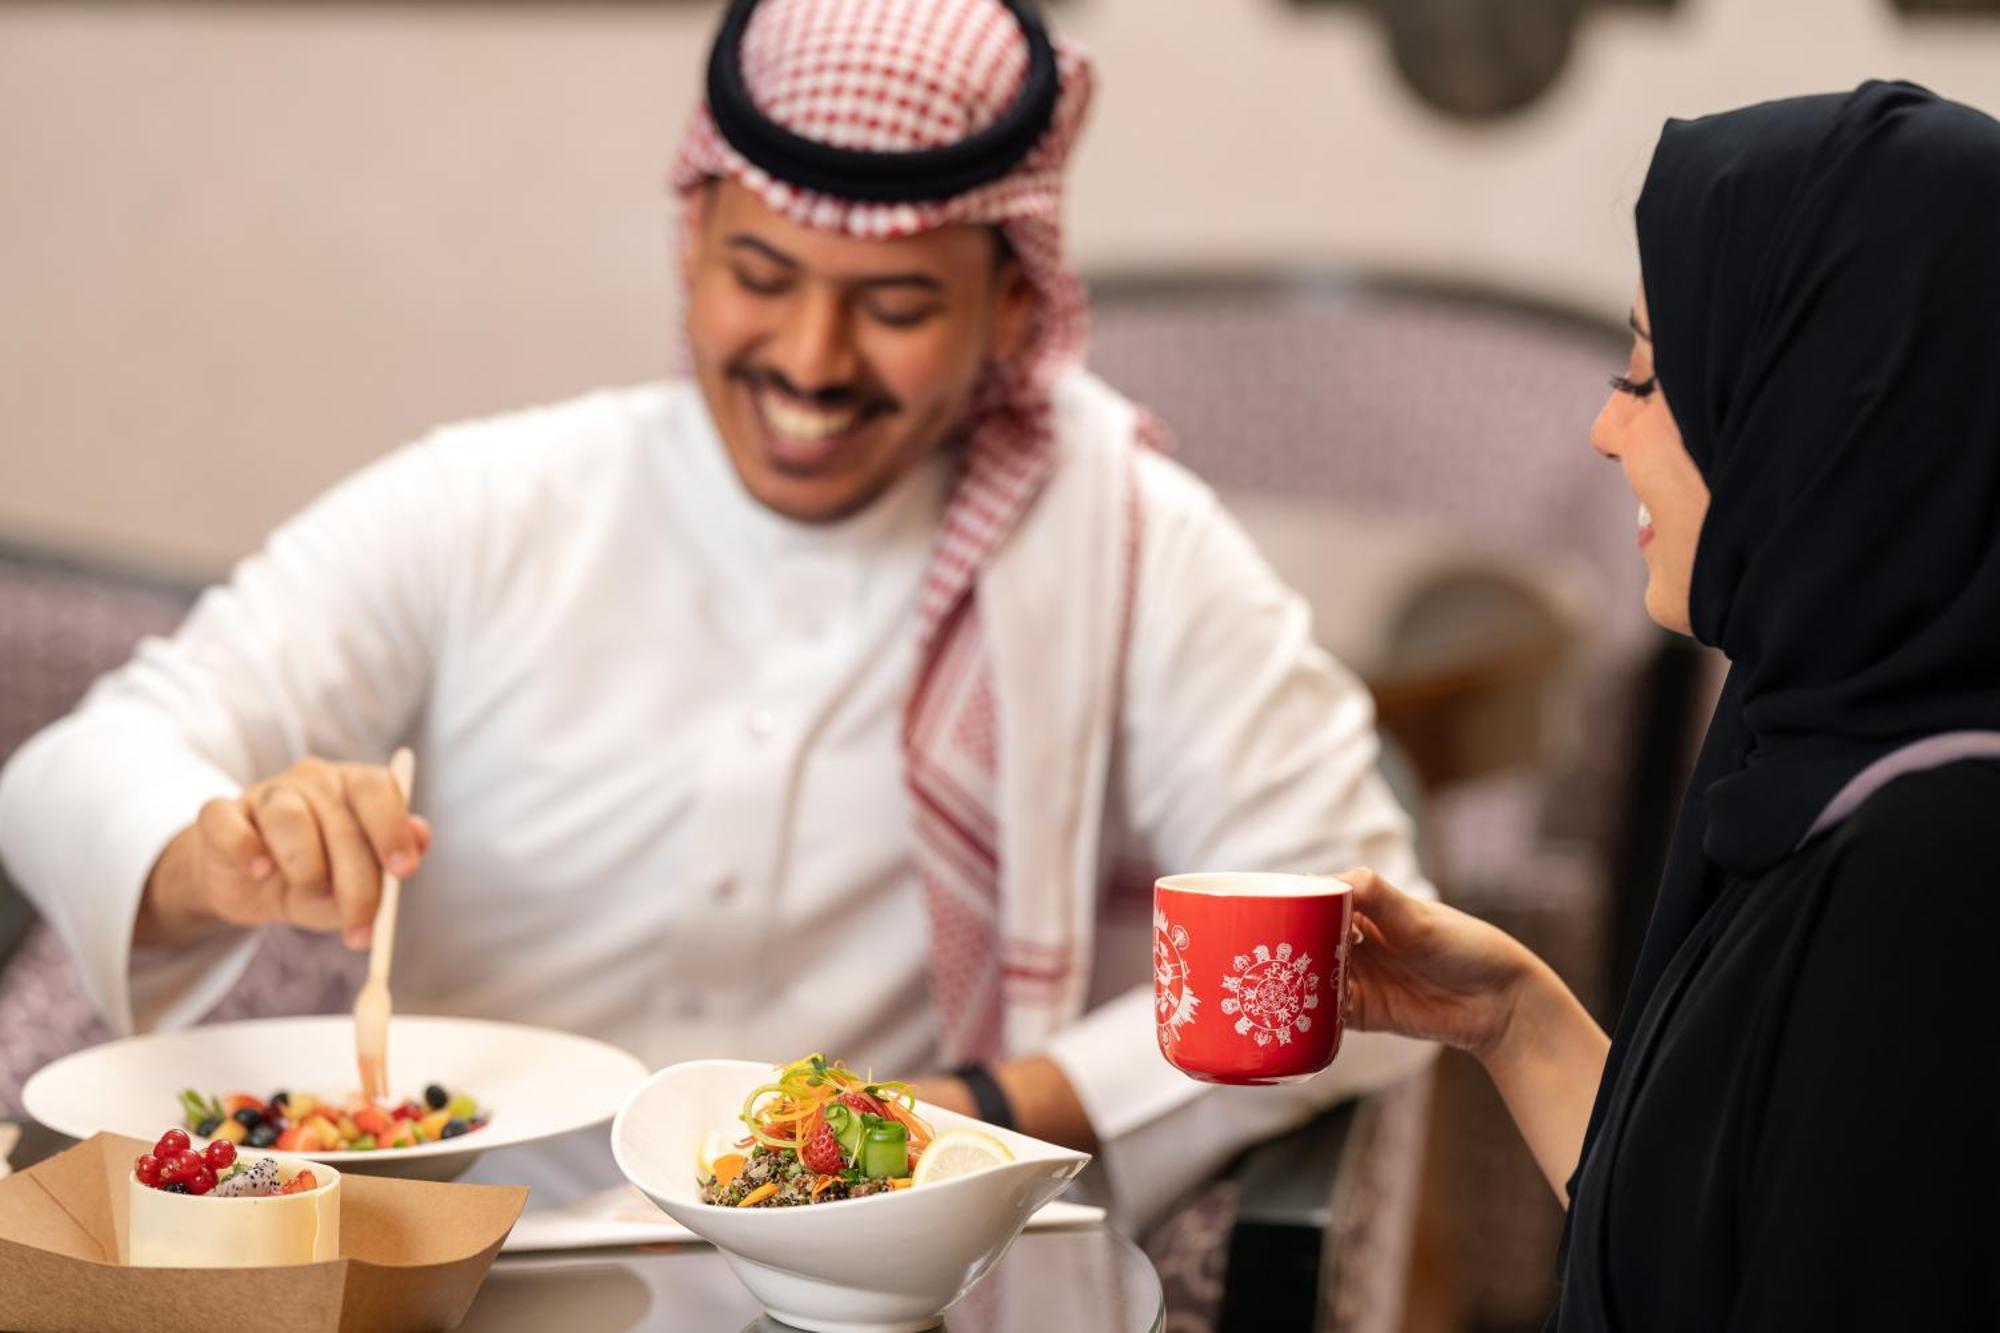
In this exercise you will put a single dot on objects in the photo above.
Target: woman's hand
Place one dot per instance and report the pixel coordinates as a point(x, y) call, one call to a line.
point(1421, 969)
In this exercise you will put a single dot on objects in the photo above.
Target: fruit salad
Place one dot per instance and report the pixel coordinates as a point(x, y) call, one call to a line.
point(175, 1166)
point(303, 1123)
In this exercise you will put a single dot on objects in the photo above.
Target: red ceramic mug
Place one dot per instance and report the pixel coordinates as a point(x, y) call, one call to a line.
point(1250, 974)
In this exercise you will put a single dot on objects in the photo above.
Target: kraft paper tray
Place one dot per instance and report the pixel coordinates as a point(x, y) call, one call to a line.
point(413, 1254)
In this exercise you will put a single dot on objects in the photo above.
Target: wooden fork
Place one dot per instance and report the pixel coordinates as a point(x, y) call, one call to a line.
point(371, 1006)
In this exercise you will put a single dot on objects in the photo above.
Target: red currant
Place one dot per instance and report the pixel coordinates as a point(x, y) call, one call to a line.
point(147, 1168)
point(182, 1166)
point(219, 1155)
point(201, 1182)
point(171, 1142)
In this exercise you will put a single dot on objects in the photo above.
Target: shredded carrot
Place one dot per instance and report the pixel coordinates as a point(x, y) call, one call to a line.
point(819, 1185)
point(758, 1195)
point(727, 1168)
point(784, 1113)
point(900, 1183)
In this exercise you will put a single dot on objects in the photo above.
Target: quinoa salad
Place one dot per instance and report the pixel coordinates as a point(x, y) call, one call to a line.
point(818, 1133)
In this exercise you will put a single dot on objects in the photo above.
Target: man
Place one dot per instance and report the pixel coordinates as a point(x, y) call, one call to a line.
point(813, 704)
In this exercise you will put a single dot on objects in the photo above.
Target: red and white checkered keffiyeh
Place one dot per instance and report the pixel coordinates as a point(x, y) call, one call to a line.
point(901, 75)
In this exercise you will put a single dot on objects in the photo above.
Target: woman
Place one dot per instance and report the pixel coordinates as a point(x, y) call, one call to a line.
point(1796, 1124)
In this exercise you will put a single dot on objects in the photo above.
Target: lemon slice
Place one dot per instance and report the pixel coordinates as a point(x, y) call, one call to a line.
point(714, 1144)
point(959, 1152)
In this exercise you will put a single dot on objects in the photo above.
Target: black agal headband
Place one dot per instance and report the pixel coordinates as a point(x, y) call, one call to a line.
point(864, 175)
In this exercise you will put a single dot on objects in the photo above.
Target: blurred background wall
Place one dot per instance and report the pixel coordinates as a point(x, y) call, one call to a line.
point(245, 247)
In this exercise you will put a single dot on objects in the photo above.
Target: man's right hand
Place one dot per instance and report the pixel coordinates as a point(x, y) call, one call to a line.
point(307, 847)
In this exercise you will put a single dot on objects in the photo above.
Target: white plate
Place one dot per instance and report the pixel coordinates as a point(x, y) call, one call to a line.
point(622, 1215)
point(888, 1263)
point(533, 1082)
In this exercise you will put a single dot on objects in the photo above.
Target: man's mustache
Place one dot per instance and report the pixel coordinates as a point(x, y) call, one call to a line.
point(860, 395)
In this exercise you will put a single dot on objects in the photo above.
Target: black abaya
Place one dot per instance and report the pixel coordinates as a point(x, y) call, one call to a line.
point(1791, 1131)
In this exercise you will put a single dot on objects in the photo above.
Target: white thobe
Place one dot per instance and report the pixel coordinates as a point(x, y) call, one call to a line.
point(658, 730)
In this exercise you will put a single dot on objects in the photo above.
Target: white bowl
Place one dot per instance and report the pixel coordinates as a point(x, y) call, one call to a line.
point(889, 1263)
point(533, 1082)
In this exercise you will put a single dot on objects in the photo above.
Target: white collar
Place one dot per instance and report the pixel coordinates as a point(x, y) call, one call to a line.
point(908, 510)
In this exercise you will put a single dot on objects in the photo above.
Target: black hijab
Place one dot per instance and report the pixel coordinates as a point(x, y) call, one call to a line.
point(1823, 281)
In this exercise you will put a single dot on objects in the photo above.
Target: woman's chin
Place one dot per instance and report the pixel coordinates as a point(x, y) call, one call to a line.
point(1668, 611)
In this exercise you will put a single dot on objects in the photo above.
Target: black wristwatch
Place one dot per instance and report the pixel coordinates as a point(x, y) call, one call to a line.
point(987, 1094)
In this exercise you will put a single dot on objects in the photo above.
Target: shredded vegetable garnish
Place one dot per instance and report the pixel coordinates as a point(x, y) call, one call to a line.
point(784, 1113)
point(820, 1132)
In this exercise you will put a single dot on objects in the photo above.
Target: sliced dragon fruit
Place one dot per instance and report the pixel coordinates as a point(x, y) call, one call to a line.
point(257, 1180)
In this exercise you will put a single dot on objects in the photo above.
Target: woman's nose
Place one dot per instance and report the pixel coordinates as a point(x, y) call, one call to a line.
point(1604, 430)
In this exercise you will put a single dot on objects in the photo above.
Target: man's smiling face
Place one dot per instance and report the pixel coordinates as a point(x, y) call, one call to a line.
point(831, 365)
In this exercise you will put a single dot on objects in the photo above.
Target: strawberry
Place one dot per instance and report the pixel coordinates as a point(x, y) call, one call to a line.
point(374, 1120)
point(821, 1150)
point(299, 1184)
point(861, 1101)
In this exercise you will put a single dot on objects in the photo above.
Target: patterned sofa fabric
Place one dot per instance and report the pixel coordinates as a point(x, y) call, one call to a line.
point(62, 624)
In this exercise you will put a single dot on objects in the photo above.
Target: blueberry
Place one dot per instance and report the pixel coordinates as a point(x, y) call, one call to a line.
point(436, 1097)
point(209, 1126)
point(262, 1136)
point(174, 1187)
point(453, 1128)
point(249, 1117)
point(276, 1097)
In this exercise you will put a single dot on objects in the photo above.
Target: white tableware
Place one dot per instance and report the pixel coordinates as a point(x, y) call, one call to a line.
point(167, 1230)
point(622, 1215)
point(889, 1263)
point(534, 1083)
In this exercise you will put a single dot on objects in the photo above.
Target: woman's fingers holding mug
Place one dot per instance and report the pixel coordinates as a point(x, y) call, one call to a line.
point(1380, 904)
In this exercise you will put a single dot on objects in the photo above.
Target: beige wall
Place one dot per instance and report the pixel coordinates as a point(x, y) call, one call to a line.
point(245, 247)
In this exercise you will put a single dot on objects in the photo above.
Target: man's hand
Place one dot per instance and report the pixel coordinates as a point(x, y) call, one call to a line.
point(1045, 1105)
point(307, 847)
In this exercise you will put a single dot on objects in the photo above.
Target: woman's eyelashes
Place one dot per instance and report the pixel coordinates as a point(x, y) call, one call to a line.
point(1637, 388)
